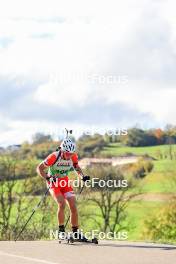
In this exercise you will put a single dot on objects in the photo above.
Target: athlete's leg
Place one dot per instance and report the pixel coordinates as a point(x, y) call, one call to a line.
point(60, 200)
point(70, 197)
point(61, 208)
point(74, 217)
point(73, 210)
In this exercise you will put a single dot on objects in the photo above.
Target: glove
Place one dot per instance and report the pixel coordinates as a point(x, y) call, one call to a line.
point(51, 179)
point(86, 178)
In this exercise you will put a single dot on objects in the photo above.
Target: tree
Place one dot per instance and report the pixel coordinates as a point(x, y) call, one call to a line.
point(160, 136)
point(16, 203)
point(111, 202)
point(90, 145)
point(138, 137)
point(7, 173)
point(39, 138)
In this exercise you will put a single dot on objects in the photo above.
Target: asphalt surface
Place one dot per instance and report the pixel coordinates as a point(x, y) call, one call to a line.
point(106, 252)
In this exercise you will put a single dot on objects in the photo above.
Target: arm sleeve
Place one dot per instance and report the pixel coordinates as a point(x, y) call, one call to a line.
point(50, 160)
point(75, 160)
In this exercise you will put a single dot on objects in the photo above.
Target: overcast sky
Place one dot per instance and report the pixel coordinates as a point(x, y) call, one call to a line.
point(85, 64)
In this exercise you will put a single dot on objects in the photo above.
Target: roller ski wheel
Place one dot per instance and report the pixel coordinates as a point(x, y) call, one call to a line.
point(71, 240)
point(64, 241)
point(62, 237)
point(95, 240)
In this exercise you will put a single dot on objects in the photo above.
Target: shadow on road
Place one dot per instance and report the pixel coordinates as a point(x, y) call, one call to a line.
point(139, 246)
point(162, 247)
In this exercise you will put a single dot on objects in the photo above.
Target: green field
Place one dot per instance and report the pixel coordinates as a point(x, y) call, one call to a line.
point(115, 149)
point(162, 179)
point(158, 181)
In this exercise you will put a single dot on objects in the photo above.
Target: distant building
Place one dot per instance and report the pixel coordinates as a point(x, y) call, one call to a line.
point(13, 147)
point(114, 161)
point(88, 162)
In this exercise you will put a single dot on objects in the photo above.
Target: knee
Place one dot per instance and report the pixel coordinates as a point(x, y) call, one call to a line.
point(73, 209)
point(61, 205)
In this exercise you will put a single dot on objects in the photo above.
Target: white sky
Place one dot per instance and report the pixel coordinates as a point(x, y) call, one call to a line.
point(58, 58)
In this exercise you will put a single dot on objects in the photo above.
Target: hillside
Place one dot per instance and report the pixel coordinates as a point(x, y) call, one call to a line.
point(116, 149)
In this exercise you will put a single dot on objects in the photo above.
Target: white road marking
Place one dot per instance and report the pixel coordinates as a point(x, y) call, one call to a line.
point(28, 258)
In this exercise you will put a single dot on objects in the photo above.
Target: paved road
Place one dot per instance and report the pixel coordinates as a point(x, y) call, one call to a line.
point(107, 252)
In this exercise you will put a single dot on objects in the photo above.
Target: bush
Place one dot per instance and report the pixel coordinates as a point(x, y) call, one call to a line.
point(141, 168)
point(161, 226)
point(90, 145)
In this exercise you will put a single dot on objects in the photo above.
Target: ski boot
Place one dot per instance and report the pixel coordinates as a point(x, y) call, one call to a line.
point(77, 236)
point(62, 235)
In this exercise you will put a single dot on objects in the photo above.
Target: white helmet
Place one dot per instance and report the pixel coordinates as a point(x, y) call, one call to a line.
point(68, 145)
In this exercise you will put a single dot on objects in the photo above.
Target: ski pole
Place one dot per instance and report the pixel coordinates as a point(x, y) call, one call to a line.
point(82, 188)
point(33, 211)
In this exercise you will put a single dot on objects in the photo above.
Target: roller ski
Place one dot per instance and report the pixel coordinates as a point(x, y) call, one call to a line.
point(79, 237)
